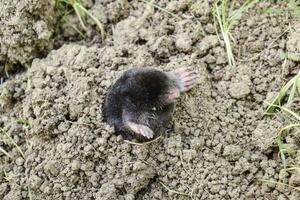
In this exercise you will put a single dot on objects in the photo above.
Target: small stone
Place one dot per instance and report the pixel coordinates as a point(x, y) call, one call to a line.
point(35, 182)
point(75, 165)
point(239, 90)
point(19, 161)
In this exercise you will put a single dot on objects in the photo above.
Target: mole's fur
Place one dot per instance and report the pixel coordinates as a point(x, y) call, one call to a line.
point(141, 102)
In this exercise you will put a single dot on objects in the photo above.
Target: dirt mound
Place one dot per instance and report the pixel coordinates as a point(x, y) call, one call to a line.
point(25, 30)
point(217, 147)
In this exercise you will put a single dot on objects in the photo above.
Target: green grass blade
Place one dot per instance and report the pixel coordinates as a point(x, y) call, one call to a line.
point(12, 141)
point(220, 16)
point(78, 13)
point(73, 26)
point(282, 150)
point(238, 13)
point(279, 96)
point(99, 24)
point(295, 7)
point(298, 83)
point(291, 113)
point(292, 94)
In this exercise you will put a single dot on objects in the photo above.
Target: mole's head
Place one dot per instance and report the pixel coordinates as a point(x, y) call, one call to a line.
point(150, 88)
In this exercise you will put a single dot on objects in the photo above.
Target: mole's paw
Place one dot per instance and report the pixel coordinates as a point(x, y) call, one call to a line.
point(140, 129)
point(186, 78)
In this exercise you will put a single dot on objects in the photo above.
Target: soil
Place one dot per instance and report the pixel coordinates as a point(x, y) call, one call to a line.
point(218, 145)
point(26, 28)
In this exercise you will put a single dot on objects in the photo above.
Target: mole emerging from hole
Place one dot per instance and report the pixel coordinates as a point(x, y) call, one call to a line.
point(141, 102)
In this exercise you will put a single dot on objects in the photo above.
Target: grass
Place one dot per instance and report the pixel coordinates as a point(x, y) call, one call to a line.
point(293, 122)
point(280, 183)
point(23, 122)
point(281, 107)
point(295, 7)
point(143, 143)
point(81, 13)
point(272, 10)
point(12, 141)
point(289, 89)
point(226, 17)
point(175, 191)
point(29, 193)
point(162, 9)
point(4, 152)
point(26, 125)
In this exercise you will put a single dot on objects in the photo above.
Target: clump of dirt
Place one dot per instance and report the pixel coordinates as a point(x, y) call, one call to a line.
point(26, 28)
point(217, 147)
point(293, 43)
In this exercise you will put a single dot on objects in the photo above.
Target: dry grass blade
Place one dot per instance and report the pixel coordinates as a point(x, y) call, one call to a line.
point(288, 127)
point(162, 9)
point(143, 143)
point(29, 193)
point(12, 141)
point(174, 191)
point(298, 84)
point(292, 168)
point(280, 183)
point(4, 152)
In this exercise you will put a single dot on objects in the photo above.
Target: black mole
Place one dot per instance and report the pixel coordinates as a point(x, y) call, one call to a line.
point(141, 102)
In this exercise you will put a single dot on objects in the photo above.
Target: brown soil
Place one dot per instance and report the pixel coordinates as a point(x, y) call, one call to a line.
point(218, 145)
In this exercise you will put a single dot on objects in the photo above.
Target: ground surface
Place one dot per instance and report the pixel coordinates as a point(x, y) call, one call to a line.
point(218, 145)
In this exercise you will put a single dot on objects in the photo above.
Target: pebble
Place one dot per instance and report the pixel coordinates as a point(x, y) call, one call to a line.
point(19, 161)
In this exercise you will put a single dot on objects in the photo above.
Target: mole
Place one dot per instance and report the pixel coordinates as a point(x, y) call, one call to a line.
point(141, 102)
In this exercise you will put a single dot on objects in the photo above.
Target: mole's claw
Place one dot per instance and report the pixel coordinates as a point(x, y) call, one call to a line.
point(186, 78)
point(146, 132)
point(140, 129)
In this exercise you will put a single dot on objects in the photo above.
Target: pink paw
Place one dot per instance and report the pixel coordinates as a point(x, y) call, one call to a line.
point(186, 78)
point(140, 129)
